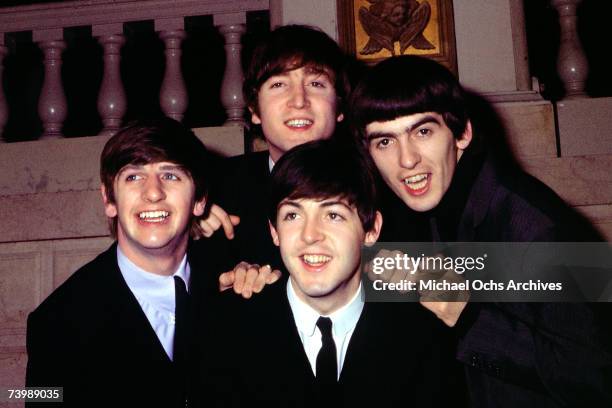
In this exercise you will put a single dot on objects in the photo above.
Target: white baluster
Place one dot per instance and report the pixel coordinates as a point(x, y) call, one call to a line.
point(4, 111)
point(112, 103)
point(52, 107)
point(572, 64)
point(173, 93)
point(232, 26)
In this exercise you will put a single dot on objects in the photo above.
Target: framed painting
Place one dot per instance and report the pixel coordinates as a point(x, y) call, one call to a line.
point(373, 30)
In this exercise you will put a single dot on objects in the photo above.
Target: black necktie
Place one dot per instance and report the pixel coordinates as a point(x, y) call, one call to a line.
point(327, 370)
point(181, 322)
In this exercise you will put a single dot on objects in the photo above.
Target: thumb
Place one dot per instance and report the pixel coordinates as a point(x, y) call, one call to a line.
point(274, 276)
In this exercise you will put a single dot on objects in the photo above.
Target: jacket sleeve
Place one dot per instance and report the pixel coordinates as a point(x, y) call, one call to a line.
point(46, 367)
point(555, 348)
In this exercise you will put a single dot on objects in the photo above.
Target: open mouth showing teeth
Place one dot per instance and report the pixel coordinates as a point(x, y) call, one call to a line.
point(153, 216)
point(416, 182)
point(298, 123)
point(316, 260)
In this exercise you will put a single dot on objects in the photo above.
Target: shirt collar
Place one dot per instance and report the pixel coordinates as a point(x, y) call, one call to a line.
point(149, 285)
point(343, 319)
point(271, 163)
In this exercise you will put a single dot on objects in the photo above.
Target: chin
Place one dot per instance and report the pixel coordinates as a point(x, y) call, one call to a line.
point(420, 205)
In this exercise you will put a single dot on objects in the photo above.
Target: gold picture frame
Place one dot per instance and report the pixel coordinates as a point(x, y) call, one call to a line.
point(372, 30)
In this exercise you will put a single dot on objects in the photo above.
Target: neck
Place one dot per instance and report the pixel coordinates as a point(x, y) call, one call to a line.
point(159, 261)
point(326, 305)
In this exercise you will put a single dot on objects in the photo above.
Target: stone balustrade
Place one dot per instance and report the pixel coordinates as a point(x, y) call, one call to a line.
point(106, 18)
point(572, 64)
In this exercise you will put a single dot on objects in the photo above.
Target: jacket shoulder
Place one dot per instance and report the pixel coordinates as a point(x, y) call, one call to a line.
point(526, 209)
point(81, 288)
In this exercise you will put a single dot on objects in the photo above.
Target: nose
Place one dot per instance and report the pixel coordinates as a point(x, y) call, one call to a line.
point(409, 155)
point(311, 231)
point(153, 190)
point(299, 97)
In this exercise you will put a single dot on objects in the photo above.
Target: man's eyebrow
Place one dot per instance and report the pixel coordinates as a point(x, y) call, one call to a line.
point(317, 71)
point(290, 203)
point(129, 167)
point(379, 135)
point(331, 203)
point(279, 74)
point(426, 119)
point(173, 167)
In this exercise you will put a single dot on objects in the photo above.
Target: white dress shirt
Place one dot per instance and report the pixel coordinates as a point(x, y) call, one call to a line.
point(156, 296)
point(343, 320)
point(271, 163)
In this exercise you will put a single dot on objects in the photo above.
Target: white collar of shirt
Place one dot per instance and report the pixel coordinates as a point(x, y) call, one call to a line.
point(344, 321)
point(271, 163)
point(155, 295)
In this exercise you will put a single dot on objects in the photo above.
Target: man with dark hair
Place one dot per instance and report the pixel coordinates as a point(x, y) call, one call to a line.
point(412, 116)
point(118, 330)
point(295, 87)
point(331, 348)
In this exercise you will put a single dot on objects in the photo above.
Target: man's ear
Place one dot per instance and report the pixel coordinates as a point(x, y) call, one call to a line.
point(254, 117)
point(110, 209)
point(372, 235)
point(199, 206)
point(466, 138)
point(274, 234)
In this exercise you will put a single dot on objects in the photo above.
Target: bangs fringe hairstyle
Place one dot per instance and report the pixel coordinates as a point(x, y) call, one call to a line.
point(325, 169)
point(406, 85)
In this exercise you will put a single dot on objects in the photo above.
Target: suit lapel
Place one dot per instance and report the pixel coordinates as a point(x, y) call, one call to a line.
point(358, 345)
point(296, 359)
point(379, 342)
point(478, 203)
point(135, 332)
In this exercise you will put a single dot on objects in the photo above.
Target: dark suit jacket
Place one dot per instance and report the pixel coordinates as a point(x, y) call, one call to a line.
point(529, 354)
point(397, 356)
point(91, 337)
point(241, 188)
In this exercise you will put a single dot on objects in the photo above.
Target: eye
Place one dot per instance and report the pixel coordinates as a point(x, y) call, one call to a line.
point(170, 176)
point(290, 216)
point(424, 132)
point(318, 84)
point(334, 216)
point(132, 177)
point(276, 85)
point(383, 142)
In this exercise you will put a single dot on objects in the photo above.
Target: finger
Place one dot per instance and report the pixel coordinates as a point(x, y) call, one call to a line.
point(224, 220)
point(240, 275)
point(234, 219)
point(274, 276)
point(266, 276)
point(205, 228)
point(368, 269)
point(226, 280)
point(228, 227)
point(249, 282)
point(388, 273)
point(399, 276)
point(261, 278)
